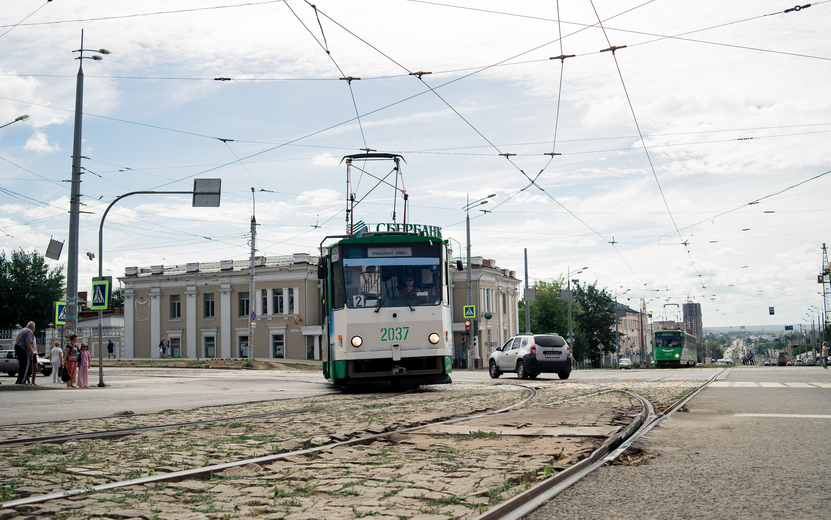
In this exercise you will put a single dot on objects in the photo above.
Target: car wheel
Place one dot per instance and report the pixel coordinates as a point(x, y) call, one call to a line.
point(564, 375)
point(11, 374)
point(494, 370)
point(533, 376)
point(521, 373)
point(46, 372)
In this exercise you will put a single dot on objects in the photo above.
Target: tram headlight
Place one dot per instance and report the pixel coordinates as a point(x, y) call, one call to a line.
point(357, 341)
point(433, 338)
point(677, 355)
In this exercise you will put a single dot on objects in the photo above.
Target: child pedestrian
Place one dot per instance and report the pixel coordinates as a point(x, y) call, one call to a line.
point(83, 366)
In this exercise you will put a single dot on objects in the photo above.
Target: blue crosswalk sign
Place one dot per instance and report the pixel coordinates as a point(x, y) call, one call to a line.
point(60, 313)
point(100, 293)
point(470, 311)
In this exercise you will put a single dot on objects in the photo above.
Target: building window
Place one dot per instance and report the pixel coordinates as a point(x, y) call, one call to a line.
point(209, 305)
point(264, 294)
point(504, 303)
point(175, 307)
point(243, 346)
point(244, 305)
point(277, 301)
point(310, 347)
point(210, 345)
point(278, 346)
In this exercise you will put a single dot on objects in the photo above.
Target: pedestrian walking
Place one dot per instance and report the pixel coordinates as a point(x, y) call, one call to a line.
point(825, 354)
point(23, 344)
point(110, 348)
point(33, 366)
point(162, 348)
point(83, 366)
point(56, 357)
point(71, 354)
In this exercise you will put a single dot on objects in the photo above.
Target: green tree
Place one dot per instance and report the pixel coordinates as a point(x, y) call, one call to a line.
point(548, 312)
point(594, 315)
point(28, 289)
point(117, 298)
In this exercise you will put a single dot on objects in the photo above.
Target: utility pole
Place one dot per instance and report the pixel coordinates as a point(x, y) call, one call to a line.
point(527, 296)
point(75, 193)
point(251, 298)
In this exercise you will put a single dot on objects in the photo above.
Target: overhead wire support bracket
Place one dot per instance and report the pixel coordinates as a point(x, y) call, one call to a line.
point(222, 79)
point(507, 155)
point(613, 48)
point(552, 154)
point(419, 74)
point(561, 57)
point(349, 79)
point(797, 8)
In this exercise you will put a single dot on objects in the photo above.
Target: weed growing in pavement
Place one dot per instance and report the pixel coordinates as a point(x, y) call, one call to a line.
point(389, 493)
point(44, 449)
point(434, 511)
point(8, 490)
point(361, 514)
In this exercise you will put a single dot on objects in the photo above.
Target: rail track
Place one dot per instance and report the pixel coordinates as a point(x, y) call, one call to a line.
point(324, 459)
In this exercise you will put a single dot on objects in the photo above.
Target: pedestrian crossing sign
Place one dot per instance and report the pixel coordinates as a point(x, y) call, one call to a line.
point(60, 313)
point(101, 293)
point(470, 311)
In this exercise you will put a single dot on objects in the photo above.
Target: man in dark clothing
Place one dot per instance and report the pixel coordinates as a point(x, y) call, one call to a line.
point(23, 346)
point(110, 347)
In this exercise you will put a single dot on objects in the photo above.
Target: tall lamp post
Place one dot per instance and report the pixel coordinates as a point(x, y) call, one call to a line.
point(466, 208)
point(205, 195)
point(75, 191)
point(24, 117)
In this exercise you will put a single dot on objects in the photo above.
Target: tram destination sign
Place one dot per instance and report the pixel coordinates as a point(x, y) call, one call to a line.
point(433, 231)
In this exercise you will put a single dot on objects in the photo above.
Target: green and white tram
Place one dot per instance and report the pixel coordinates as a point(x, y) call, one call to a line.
point(388, 309)
point(674, 348)
point(386, 297)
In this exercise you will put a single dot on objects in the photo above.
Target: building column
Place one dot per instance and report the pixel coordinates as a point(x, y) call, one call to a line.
point(270, 297)
point(155, 320)
point(225, 344)
point(190, 326)
point(129, 322)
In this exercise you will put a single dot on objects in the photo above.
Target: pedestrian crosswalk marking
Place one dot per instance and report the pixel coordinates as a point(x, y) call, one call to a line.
point(786, 415)
point(764, 384)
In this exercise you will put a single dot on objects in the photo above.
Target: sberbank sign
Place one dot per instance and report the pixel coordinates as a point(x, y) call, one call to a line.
point(433, 231)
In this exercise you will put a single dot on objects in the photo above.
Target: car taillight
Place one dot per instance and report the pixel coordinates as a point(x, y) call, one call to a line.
point(533, 350)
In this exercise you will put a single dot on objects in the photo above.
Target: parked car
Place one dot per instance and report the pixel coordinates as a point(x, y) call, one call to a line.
point(9, 365)
point(798, 363)
point(810, 362)
point(624, 362)
point(530, 354)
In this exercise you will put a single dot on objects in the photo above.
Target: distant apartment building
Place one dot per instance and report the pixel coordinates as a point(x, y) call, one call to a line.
point(692, 319)
point(203, 309)
point(631, 327)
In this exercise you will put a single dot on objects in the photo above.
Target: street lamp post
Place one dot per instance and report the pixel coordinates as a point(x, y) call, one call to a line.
point(75, 191)
point(24, 117)
point(466, 208)
point(205, 195)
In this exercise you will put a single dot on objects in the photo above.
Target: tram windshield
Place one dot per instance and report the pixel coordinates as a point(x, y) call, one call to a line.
point(405, 275)
point(667, 340)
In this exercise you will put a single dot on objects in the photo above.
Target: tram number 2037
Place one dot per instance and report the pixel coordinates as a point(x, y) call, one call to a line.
point(395, 333)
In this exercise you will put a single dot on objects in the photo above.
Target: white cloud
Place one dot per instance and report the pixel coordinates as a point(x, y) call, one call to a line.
point(39, 142)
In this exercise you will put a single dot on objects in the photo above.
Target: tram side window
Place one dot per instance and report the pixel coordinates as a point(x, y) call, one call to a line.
point(338, 293)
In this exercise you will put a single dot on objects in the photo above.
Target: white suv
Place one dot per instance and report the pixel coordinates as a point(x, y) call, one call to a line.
point(530, 354)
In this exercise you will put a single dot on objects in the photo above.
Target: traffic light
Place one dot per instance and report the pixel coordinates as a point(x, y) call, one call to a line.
point(467, 328)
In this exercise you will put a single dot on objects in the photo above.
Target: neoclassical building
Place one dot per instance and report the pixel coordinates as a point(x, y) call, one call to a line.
point(203, 309)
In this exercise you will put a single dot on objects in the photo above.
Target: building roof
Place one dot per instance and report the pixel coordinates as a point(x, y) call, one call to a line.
point(224, 266)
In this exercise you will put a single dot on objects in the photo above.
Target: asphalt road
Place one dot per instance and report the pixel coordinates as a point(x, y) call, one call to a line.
point(152, 390)
point(755, 444)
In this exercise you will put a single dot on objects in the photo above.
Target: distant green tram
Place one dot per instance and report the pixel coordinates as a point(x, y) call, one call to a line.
point(674, 348)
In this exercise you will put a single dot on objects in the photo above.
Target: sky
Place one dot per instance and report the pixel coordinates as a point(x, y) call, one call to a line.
point(677, 150)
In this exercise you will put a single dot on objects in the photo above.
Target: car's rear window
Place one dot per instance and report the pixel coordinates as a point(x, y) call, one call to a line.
point(549, 341)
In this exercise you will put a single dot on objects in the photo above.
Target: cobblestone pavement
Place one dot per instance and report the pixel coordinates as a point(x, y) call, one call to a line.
point(458, 472)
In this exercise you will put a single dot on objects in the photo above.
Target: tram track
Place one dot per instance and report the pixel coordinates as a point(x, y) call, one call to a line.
point(342, 454)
